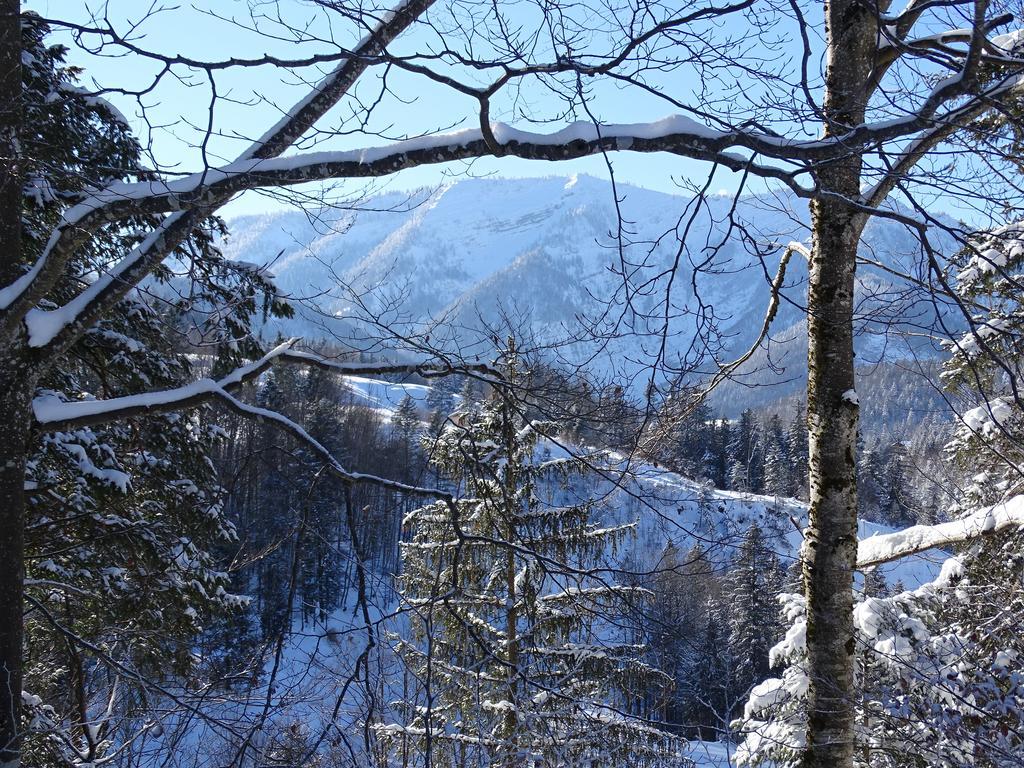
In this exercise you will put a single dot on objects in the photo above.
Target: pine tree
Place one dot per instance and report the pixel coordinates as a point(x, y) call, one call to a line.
point(683, 436)
point(872, 488)
point(123, 521)
point(440, 402)
point(721, 457)
point(755, 579)
point(902, 507)
point(777, 462)
point(796, 438)
point(406, 424)
point(746, 469)
point(986, 364)
point(518, 666)
point(711, 690)
point(688, 631)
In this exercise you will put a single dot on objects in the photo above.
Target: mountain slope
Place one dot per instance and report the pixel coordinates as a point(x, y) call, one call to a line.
point(473, 257)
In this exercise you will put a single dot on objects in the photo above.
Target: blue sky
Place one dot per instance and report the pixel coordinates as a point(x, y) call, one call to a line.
point(253, 98)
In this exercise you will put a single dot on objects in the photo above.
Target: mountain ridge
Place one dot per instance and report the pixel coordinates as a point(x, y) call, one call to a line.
point(460, 259)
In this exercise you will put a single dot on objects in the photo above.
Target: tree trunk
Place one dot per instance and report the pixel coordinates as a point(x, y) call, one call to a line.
point(14, 395)
point(830, 548)
point(14, 438)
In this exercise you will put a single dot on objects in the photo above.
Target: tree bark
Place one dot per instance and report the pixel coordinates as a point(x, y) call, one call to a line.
point(14, 439)
point(830, 548)
point(11, 166)
point(14, 395)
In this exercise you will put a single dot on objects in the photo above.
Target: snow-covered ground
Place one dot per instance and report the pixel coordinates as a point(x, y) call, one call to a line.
point(385, 395)
point(711, 754)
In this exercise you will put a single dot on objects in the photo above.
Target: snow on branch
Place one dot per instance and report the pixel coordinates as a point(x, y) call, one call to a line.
point(675, 134)
point(678, 134)
point(920, 538)
point(52, 413)
point(330, 463)
point(192, 197)
point(97, 208)
point(303, 115)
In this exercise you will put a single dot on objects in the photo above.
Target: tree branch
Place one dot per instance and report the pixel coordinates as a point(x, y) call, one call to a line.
point(920, 538)
point(20, 297)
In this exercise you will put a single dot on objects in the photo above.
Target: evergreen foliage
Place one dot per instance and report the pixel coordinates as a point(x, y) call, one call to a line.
point(124, 521)
point(513, 642)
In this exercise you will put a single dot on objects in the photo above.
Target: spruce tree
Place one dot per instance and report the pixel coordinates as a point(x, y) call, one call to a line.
point(711, 689)
point(902, 504)
point(777, 463)
point(872, 488)
point(125, 523)
point(746, 470)
point(406, 425)
point(755, 581)
point(721, 462)
point(518, 658)
point(796, 438)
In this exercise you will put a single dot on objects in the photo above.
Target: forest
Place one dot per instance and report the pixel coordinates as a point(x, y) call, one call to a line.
point(398, 386)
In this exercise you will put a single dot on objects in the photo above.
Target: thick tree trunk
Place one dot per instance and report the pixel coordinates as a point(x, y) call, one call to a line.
point(14, 437)
point(14, 401)
point(11, 166)
point(830, 549)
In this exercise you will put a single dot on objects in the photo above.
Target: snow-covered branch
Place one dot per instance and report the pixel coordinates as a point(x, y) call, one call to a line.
point(53, 414)
point(920, 538)
point(191, 198)
point(941, 128)
point(80, 221)
point(331, 464)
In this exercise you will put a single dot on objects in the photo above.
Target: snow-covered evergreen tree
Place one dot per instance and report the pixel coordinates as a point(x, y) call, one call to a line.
point(440, 402)
point(755, 582)
point(985, 366)
point(682, 436)
point(520, 659)
point(796, 438)
point(708, 681)
point(746, 469)
point(939, 668)
point(872, 491)
point(122, 519)
point(935, 689)
point(721, 459)
point(777, 467)
point(406, 425)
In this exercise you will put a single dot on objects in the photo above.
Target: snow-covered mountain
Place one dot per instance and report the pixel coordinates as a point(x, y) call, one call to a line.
point(472, 256)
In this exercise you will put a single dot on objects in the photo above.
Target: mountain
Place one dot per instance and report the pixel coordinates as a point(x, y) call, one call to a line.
point(472, 258)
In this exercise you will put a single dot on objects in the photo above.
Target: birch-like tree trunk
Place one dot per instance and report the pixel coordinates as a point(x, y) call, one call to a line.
point(830, 548)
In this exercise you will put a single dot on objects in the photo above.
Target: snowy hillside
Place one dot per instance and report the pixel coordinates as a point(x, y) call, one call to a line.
point(311, 671)
point(669, 508)
point(462, 257)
